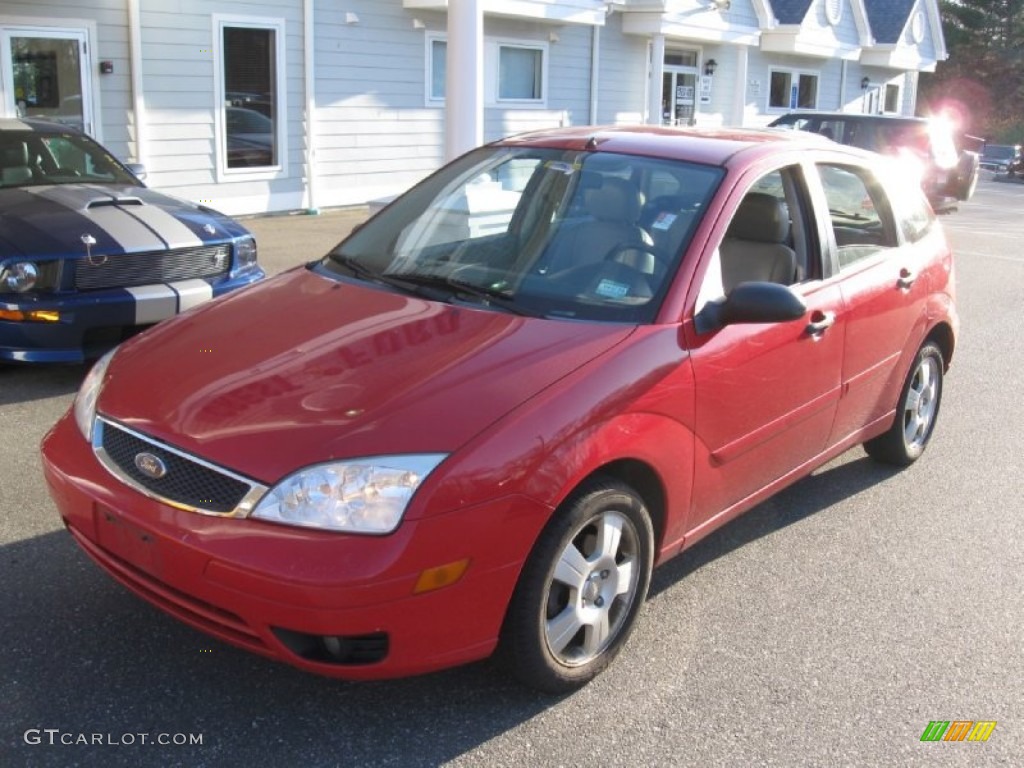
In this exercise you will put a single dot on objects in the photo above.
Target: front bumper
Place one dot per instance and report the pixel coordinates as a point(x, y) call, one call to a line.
point(260, 586)
point(91, 322)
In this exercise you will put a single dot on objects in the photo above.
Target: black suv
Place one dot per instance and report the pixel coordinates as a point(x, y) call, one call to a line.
point(949, 163)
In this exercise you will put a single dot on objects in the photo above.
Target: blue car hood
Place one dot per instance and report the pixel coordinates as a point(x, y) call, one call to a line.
point(75, 220)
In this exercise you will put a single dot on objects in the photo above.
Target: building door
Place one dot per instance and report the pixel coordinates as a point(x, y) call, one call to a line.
point(45, 74)
point(679, 88)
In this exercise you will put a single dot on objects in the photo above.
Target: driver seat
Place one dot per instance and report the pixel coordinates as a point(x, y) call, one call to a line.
point(755, 245)
point(14, 167)
point(613, 211)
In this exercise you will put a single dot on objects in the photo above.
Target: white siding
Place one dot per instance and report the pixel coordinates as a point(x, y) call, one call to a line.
point(179, 79)
point(622, 76)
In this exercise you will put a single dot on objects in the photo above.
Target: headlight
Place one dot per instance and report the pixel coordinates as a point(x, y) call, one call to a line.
point(88, 393)
point(19, 277)
point(245, 253)
point(356, 496)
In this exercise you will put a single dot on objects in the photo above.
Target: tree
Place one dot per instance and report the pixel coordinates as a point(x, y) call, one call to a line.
point(983, 79)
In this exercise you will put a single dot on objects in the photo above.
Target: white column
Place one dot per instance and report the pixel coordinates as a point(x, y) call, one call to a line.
point(595, 65)
point(739, 95)
point(309, 93)
point(138, 97)
point(464, 80)
point(655, 82)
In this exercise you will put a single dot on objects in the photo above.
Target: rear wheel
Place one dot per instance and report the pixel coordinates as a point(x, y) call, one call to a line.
point(581, 589)
point(916, 413)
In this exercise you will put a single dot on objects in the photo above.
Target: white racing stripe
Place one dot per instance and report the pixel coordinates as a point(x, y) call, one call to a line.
point(153, 303)
point(192, 293)
point(173, 231)
point(130, 234)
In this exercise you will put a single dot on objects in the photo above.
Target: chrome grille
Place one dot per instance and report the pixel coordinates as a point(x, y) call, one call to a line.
point(189, 482)
point(130, 269)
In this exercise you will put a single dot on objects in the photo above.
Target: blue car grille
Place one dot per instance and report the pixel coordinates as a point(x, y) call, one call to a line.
point(189, 482)
point(127, 270)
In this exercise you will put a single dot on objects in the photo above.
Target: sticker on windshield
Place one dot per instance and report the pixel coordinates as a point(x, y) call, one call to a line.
point(610, 289)
point(559, 166)
point(664, 220)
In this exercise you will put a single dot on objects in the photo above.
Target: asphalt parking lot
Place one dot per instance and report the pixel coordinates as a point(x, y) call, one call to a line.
point(827, 627)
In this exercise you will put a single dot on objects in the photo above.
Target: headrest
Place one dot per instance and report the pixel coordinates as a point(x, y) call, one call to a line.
point(615, 200)
point(762, 218)
point(13, 154)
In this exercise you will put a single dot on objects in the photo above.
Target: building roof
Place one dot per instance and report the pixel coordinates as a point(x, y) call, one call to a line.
point(888, 18)
point(790, 11)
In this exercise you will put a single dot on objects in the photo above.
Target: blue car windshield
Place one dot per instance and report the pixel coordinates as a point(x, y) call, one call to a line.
point(542, 232)
point(35, 158)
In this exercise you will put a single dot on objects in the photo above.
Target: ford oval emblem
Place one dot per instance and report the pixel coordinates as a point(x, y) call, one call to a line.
point(151, 466)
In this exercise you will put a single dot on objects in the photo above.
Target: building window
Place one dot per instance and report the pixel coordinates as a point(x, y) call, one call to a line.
point(793, 90)
point(250, 64)
point(437, 68)
point(892, 98)
point(513, 71)
point(520, 73)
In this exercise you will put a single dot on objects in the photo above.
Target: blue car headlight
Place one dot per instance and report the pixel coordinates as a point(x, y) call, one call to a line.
point(18, 277)
point(245, 254)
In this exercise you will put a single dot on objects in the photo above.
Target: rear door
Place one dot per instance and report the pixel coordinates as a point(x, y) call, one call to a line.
point(881, 258)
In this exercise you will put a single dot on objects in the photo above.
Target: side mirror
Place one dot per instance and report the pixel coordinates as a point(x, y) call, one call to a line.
point(754, 302)
point(138, 170)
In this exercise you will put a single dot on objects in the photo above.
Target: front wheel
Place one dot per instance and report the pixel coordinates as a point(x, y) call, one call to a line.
point(581, 588)
point(916, 413)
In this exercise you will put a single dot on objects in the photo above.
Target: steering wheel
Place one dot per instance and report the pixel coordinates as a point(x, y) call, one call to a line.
point(660, 266)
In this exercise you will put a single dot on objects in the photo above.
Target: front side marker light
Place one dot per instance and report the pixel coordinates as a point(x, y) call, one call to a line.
point(440, 576)
point(31, 316)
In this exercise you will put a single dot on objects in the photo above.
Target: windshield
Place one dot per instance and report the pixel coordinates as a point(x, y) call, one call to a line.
point(32, 158)
point(999, 151)
point(539, 232)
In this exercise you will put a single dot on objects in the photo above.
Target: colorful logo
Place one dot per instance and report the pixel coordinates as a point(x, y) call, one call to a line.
point(958, 730)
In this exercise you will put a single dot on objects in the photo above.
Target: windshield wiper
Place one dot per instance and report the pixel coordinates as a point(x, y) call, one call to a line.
point(848, 215)
point(489, 297)
point(363, 272)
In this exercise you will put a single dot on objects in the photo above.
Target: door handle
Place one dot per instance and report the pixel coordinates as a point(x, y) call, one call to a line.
point(820, 322)
point(907, 278)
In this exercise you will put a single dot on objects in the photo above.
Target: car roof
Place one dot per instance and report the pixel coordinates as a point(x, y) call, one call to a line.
point(710, 146)
point(34, 125)
point(856, 116)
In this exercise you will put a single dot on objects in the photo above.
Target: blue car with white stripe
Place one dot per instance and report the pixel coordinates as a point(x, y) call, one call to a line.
point(90, 256)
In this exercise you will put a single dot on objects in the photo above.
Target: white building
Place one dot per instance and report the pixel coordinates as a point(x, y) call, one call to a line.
point(270, 105)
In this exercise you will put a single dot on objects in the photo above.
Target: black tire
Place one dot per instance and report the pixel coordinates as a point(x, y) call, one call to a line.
point(916, 412)
point(581, 588)
point(967, 173)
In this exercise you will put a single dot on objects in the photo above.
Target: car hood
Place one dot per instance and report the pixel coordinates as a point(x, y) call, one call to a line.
point(306, 368)
point(55, 221)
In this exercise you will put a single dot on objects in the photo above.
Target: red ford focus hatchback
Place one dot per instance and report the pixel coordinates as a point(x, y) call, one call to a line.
point(482, 419)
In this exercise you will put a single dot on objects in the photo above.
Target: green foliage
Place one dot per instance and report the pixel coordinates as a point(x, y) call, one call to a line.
point(983, 78)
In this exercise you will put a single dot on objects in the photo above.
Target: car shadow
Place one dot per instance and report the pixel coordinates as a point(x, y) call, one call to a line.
point(22, 383)
point(813, 494)
point(85, 656)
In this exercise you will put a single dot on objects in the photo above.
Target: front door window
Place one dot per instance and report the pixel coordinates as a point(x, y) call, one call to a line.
point(44, 75)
